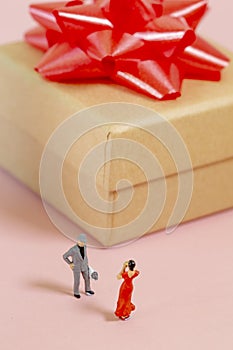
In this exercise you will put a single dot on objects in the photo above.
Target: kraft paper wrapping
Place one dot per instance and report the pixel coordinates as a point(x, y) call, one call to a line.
point(32, 108)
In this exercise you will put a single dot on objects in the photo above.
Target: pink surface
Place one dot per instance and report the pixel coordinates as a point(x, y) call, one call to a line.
point(184, 295)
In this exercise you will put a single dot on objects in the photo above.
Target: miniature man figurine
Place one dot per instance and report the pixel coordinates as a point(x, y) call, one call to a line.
point(79, 264)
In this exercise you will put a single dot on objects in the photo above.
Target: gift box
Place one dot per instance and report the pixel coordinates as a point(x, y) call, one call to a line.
point(36, 120)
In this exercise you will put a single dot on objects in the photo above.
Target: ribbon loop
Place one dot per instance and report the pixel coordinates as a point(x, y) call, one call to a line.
point(147, 45)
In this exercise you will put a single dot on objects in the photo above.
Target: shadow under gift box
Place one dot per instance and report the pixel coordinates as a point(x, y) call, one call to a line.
point(32, 108)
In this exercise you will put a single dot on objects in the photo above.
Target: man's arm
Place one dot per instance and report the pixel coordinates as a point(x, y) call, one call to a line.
point(67, 255)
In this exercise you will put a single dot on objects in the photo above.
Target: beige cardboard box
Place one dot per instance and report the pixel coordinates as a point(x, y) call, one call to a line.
point(112, 147)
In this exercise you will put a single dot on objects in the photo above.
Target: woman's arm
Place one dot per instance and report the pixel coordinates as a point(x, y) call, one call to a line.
point(119, 276)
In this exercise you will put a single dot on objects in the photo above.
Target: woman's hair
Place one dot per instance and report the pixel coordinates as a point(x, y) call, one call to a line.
point(131, 265)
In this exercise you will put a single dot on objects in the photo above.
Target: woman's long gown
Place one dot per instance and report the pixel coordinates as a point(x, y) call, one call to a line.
point(124, 304)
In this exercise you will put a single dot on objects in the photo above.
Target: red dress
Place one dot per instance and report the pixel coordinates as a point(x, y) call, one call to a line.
point(124, 305)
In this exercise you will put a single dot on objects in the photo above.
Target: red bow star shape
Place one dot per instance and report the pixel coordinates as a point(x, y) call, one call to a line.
point(147, 45)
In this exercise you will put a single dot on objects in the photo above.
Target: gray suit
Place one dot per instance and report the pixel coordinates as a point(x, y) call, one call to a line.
point(80, 266)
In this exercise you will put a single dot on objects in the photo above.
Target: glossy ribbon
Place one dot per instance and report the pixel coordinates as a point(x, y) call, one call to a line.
point(147, 45)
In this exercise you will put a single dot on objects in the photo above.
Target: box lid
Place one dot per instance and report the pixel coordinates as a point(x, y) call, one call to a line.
point(202, 116)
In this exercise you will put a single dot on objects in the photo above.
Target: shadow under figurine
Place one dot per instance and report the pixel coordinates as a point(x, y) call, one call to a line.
point(124, 304)
point(76, 258)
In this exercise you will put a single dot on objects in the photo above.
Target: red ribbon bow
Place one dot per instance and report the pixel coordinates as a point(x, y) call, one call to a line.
point(147, 45)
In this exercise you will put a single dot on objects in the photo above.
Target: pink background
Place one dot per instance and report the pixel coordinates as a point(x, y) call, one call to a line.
point(14, 20)
point(184, 295)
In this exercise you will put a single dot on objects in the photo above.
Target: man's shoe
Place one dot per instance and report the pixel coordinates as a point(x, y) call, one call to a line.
point(78, 296)
point(90, 292)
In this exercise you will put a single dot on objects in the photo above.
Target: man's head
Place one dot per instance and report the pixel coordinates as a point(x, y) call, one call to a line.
point(82, 240)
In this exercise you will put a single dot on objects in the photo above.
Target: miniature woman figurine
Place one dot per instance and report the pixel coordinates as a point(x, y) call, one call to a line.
point(124, 304)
